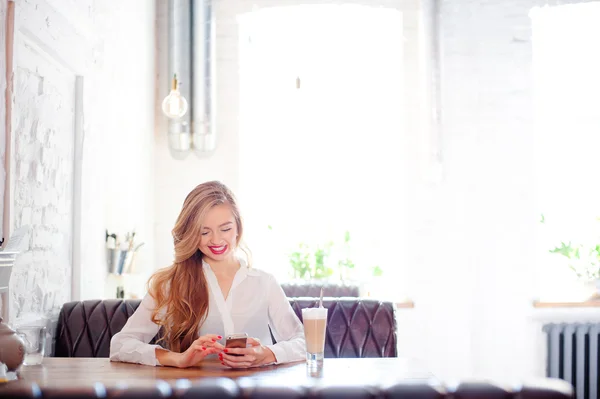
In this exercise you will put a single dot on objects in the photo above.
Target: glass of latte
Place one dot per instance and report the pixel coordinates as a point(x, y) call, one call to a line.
point(315, 324)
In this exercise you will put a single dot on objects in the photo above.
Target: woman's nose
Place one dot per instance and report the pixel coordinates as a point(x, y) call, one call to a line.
point(215, 239)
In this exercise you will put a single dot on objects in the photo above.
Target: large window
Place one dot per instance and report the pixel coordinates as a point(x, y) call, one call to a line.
point(566, 66)
point(321, 139)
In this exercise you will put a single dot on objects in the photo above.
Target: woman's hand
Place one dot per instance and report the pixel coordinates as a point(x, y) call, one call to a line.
point(254, 356)
point(198, 350)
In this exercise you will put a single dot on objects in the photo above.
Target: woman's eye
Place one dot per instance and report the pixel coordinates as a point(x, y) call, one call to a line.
point(205, 233)
point(226, 229)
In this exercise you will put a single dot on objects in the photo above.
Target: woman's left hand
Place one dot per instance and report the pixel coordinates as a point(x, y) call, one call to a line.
point(254, 356)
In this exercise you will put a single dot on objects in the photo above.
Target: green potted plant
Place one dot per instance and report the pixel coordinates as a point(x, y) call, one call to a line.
point(308, 263)
point(329, 262)
point(583, 260)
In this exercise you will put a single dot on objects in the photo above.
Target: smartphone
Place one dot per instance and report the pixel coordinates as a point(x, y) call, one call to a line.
point(238, 340)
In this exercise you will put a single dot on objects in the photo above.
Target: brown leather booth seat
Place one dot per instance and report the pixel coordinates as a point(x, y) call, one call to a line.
point(241, 388)
point(313, 289)
point(356, 327)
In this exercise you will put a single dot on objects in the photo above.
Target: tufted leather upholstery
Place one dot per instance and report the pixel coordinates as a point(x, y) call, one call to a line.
point(356, 327)
point(313, 289)
point(84, 329)
point(228, 388)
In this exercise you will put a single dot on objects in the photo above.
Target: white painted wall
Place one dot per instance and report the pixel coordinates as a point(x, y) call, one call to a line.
point(3, 15)
point(174, 179)
point(473, 268)
point(119, 147)
point(123, 171)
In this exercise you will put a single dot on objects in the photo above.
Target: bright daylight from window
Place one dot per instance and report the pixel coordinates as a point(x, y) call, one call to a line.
point(567, 107)
point(321, 143)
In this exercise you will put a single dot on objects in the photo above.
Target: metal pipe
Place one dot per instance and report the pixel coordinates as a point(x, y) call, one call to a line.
point(203, 90)
point(179, 32)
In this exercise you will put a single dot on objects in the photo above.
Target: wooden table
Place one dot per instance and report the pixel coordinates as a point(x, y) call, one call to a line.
point(84, 372)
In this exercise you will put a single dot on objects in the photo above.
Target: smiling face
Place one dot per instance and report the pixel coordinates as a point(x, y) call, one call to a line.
point(219, 233)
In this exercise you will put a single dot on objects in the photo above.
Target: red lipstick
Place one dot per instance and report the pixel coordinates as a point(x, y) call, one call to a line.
point(218, 250)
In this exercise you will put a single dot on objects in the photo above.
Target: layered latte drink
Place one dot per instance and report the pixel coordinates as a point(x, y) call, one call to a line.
point(315, 324)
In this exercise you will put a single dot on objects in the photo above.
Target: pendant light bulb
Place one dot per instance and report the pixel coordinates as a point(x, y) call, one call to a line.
point(174, 105)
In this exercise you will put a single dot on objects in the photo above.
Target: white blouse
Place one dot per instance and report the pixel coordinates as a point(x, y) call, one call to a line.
point(255, 302)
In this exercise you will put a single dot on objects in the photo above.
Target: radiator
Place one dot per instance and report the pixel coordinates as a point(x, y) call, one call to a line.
point(573, 356)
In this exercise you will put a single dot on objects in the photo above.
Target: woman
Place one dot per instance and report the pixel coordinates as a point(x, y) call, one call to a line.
point(207, 294)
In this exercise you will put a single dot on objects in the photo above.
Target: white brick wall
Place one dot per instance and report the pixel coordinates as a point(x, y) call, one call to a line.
point(42, 145)
point(112, 46)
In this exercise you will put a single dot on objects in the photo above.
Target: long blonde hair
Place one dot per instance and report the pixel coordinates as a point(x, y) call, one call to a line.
point(180, 291)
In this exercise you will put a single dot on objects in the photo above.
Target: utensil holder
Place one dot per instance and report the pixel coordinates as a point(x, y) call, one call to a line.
point(118, 261)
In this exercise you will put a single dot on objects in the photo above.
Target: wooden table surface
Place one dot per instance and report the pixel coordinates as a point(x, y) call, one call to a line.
point(71, 372)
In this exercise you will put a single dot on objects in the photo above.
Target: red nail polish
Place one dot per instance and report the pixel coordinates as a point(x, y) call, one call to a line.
point(223, 363)
point(225, 350)
point(203, 348)
point(218, 336)
point(214, 340)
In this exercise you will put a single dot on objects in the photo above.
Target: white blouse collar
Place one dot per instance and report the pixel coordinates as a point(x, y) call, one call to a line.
point(244, 270)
